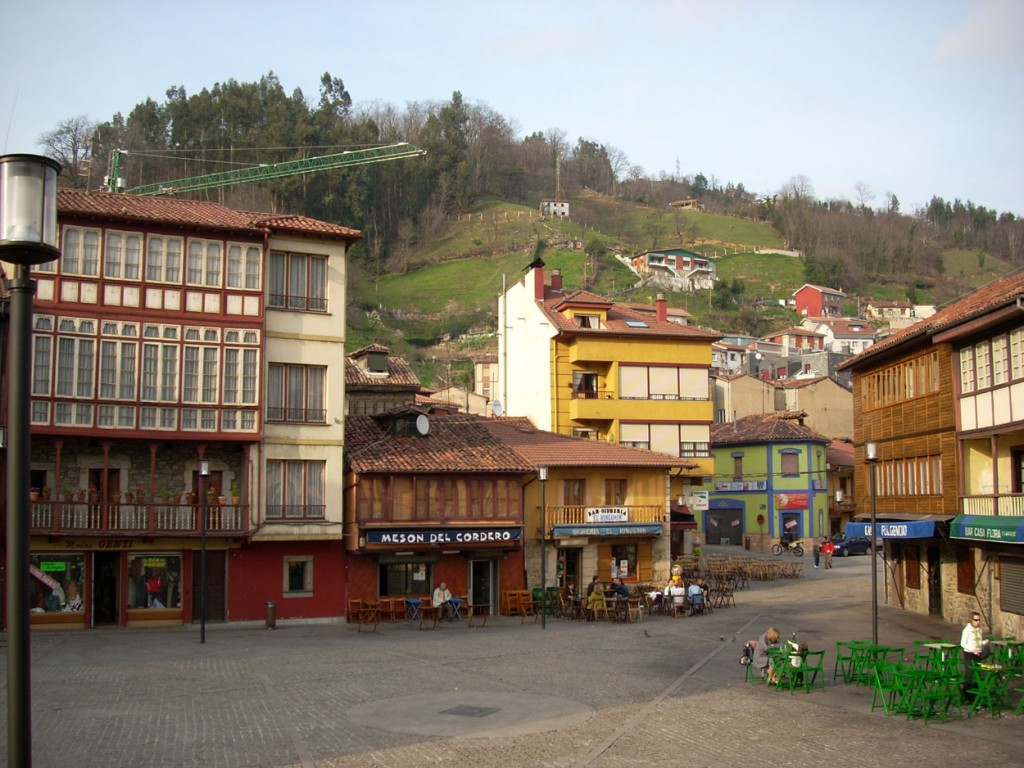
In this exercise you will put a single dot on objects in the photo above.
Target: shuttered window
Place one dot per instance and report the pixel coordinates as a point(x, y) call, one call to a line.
point(1011, 585)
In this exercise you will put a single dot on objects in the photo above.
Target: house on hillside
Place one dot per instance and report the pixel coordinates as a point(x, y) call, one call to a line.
point(553, 207)
point(485, 377)
point(770, 482)
point(677, 268)
point(795, 341)
point(817, 301)
point(827, 406)
point(843, 335)
point(584, 365)
point(175, 337)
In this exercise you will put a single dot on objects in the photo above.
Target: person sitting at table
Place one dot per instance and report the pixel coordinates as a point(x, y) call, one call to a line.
point(974, 648)
point(442, 602)
point(595, 599)
point(695, 593)
point(770, 639)
point(618, 588)
point(593, 585)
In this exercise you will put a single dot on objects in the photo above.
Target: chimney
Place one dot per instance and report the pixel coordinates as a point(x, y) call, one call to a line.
point(661, 308)
point(538, 283)
point(556, 280)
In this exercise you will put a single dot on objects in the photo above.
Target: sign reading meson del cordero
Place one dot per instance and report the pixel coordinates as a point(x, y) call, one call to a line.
point(408, 536)
point(607, 514)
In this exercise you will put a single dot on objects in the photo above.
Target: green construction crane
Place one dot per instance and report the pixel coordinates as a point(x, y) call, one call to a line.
point(115, 181)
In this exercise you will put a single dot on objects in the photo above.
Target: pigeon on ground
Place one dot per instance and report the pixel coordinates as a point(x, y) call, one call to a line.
point(647, 634)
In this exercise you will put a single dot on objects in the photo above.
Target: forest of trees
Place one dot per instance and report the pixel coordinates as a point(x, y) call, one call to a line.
point(473, 152)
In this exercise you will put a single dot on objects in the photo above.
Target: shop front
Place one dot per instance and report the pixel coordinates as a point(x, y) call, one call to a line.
point(625, 551)
point(398, 563)
point(85, 583)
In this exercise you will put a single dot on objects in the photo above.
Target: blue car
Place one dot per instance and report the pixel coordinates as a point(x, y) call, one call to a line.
point(858, 545)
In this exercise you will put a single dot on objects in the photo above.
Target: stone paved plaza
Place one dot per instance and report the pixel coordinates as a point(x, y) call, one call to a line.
point(666, 692)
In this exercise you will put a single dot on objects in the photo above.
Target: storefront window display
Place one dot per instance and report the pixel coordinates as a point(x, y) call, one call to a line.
point(154, 581)
point(402, 579)
point(56, 582)
point(624, 561)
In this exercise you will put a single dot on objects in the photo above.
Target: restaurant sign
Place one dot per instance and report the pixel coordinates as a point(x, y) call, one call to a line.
point(638, 529)
point(988, 527)
point(406, 536)
point(607, 514)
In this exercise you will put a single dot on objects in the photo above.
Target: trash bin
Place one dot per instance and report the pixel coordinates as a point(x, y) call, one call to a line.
point(746, 542)
point(271, 614)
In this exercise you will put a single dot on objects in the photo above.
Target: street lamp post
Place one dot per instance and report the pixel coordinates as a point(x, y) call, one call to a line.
point(204, 473)
point(871, 458)
point(28, 236)
point(542, 474)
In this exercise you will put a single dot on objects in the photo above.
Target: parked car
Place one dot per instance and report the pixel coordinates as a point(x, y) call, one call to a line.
point(858, 545)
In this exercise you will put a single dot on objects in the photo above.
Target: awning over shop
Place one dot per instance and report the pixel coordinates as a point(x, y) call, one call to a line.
point(625, 529)
point(988, 528)
point(906, 529)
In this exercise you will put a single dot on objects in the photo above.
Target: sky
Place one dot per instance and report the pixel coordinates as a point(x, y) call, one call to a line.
point(915, 98)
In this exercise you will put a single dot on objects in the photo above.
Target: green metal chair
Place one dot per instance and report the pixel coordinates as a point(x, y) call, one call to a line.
point(888, 689)
point(809, 674)
point(845, 658)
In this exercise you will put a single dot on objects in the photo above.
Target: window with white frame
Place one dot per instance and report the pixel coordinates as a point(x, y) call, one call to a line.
point(295, 490)
point(80, 252)
point(203, 262)
point(298, 281)
point(296, 393)
point(163, 259)
point(122, 256)
point(243, 266)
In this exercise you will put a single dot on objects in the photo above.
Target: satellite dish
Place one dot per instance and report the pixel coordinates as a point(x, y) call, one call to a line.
point(422, 424)
point(496, 408)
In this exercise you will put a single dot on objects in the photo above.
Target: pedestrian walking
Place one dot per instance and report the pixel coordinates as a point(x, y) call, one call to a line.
point(817, 553)
point(828, 549)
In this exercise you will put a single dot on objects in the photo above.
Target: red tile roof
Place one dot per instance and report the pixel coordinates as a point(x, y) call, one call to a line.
point(175, 212)
point(618, 315)
point(462, 442)
point(456, 443)
point(779, 426)
point(554, 450)
point(1000, 293)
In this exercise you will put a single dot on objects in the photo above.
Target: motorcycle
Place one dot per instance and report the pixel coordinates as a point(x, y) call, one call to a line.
point(788, 546)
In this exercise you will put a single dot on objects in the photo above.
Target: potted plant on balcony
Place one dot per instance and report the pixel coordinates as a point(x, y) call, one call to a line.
point(165, 495)
point(140, 494)
point(236, 495)
point(33, 494)
point(190, 496)
point(69, 494)
point(129, 496)
point(46, 493)
point(94, 493)
point(83, 493)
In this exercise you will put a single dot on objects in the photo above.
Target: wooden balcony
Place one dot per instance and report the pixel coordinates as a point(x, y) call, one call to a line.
point(643, 513)
point(993, 504)
point(156, 519)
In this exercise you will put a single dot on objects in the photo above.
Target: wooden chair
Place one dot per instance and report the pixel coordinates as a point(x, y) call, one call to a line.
point(634, 610)
point(527, 609)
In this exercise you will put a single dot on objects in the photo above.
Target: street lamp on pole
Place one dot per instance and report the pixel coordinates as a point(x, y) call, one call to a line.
point(204, 473)
point(542, 475)
point(871, 458)
point(28, 236)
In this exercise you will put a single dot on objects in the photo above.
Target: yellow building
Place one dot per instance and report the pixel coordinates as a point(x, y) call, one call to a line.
point(580, 364)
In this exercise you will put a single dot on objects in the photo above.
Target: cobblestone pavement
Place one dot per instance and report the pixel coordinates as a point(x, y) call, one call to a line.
point(666, 692)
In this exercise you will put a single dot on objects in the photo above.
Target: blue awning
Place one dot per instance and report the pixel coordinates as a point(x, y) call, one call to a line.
point(906, 529)
point(988, 528)
point(622, 529)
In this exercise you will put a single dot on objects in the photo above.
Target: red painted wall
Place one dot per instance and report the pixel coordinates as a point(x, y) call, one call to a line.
point(256, 575)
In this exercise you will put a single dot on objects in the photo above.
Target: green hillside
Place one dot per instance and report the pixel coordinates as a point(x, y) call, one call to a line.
point(441, 312)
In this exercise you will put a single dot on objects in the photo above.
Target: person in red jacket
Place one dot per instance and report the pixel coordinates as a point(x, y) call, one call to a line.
point(827, 550)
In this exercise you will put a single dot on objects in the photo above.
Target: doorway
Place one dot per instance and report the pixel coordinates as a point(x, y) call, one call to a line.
point(106, 597)
point(569, 567)
point(934, 583)
point(216, 563)
point(483, 582)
